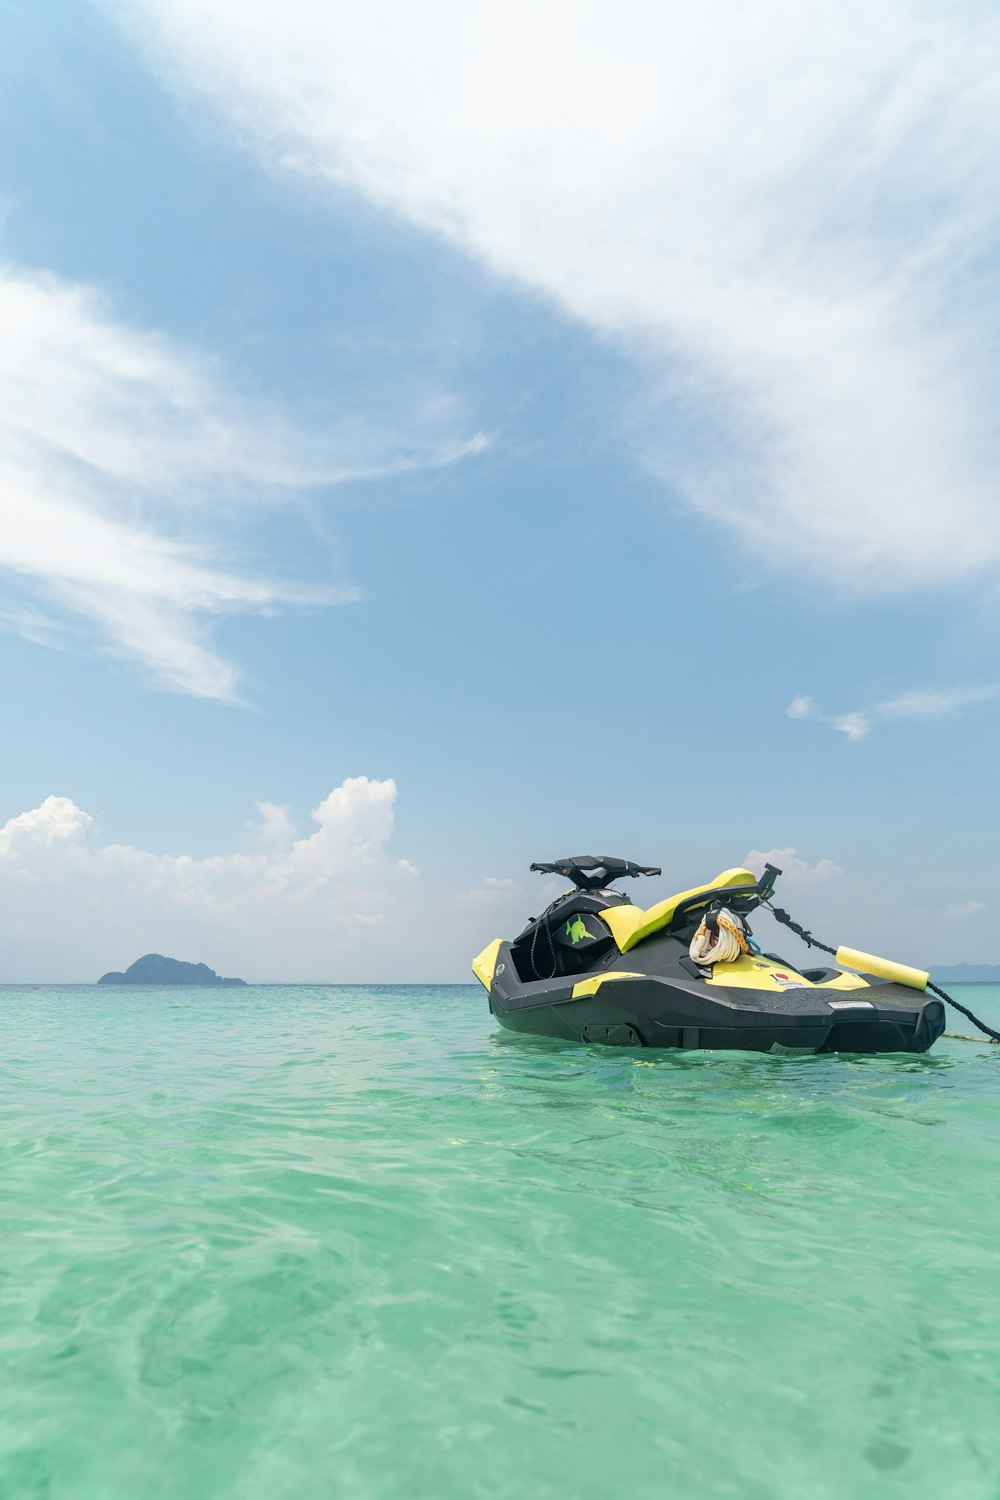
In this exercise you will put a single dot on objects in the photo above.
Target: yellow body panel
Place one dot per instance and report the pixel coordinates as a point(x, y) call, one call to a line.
point(756, 972)
point(748, 972)
point(883, 968)
point(624, 921)
point(484, 965)
point(591, 986)
point(630, 924)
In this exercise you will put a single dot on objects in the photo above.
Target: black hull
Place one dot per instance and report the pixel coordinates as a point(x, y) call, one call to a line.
point(676, 1011)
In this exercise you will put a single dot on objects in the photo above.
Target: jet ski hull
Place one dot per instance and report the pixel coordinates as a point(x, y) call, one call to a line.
point(674, 1012)
point(623, 976)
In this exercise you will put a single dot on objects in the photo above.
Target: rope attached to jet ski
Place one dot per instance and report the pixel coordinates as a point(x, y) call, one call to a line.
point(994, 1036)
point(540, 923)
point(812, 942)
point(807, 937)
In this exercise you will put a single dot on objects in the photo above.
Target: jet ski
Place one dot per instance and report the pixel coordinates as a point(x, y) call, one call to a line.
point(687, 973)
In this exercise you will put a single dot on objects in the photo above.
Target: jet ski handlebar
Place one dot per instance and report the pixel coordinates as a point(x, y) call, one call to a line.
point(592, 873)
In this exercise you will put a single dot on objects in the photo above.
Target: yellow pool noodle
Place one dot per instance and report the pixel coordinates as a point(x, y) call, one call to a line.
point(882, 968)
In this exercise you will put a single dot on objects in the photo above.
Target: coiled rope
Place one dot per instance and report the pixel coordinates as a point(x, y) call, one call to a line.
point(722, 945)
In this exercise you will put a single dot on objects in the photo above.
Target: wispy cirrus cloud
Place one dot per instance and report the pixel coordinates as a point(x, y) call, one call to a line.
point(788, 215)
point(126, 466)
point(921, 703)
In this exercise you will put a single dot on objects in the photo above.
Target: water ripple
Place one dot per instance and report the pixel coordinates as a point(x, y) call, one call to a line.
point(356, 1242)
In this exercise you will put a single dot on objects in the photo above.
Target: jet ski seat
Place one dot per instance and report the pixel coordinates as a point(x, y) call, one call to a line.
point(630, 924)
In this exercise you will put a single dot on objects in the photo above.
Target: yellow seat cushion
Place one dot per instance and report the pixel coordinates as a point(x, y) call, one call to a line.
point(630, 924)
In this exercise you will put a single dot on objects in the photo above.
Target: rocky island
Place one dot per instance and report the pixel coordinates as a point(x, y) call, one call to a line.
point(153, 968)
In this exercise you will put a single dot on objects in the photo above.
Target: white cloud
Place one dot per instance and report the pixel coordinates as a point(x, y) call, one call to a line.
point(783, 211)
point(58, 822)
point(795, 872)
point(816, 897)
point(297, 909)
point(492, 887)
point(854, 725)
point(272, 826)
point(125, 464)
point(336, 904)
point(500, 907)
point(929, 703)
point(922, 703)
point(965, 909)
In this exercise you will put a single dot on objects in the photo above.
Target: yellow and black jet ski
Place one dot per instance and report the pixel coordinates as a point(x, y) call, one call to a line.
point(687, 973)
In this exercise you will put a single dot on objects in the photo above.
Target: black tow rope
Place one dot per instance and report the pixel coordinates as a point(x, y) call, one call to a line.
point(807, 937)
point(811, 942)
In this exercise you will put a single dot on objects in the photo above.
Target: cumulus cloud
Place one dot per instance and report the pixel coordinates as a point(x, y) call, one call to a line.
point(795, 872)
point(293, 910)
point(788, 214)
point(272, 826)
point(57, 824)
point(816, 896)
point(922, 703)
point(125, 466)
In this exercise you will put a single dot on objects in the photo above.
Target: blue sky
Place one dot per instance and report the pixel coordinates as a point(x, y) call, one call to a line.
point(523, 409)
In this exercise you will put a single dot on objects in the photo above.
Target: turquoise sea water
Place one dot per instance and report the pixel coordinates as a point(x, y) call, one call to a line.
point(332, 1242)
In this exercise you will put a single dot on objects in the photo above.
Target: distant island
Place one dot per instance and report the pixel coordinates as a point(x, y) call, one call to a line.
point(966, 974)
point(153, 968)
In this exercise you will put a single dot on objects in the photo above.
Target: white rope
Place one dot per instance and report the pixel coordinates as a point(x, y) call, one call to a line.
point(720, 947)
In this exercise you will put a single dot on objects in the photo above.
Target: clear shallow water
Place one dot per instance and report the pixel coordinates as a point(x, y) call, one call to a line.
point(358, 1242)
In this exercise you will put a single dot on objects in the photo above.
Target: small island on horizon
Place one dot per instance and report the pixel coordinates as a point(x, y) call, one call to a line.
point(154, 968)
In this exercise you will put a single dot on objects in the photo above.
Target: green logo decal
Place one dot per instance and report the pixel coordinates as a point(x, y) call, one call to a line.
point(576, 930)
